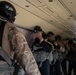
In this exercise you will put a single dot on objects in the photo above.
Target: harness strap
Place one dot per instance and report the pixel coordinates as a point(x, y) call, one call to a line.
point(2, 25)
point(5, 57)
point(50, 44)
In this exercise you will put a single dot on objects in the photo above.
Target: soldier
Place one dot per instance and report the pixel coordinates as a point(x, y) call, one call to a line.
point(71, 57)
point(55, 48)
point(50, 39)
point(55, 66)
point(41, 51)
point(13, 43)
point(62, 53)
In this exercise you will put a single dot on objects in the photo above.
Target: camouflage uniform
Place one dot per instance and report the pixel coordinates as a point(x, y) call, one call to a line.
point(14, 43)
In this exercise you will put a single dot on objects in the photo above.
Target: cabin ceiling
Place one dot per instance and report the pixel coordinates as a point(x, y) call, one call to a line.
point(58, 16)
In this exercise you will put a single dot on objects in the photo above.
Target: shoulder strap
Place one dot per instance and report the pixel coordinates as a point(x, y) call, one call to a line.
point(3, 55)
point(50, 44)
point(2, 25)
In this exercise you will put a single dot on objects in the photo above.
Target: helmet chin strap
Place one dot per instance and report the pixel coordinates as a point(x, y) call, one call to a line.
point(5, 19)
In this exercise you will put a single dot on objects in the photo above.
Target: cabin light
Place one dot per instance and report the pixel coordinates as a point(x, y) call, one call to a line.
point(71, 2)
point(71, 15)
point(39, 1)
point(51, 20)
point(26, 5)
point(50, 0)
point(68, 18)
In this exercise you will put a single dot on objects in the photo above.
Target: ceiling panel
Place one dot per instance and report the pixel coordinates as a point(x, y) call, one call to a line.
point(37, 2)
point(34, 10)
point(69, 5)
point(49, 15)
point(58, 8)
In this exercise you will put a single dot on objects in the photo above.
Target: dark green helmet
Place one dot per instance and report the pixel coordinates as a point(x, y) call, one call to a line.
point(37, 29)
point(7, 10)
point(58, 37)
point(49, 34)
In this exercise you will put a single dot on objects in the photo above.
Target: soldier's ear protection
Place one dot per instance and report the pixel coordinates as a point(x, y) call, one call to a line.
point(7, 10)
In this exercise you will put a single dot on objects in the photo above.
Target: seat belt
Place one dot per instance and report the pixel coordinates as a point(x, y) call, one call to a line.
point(5, 57)
point(2, 52)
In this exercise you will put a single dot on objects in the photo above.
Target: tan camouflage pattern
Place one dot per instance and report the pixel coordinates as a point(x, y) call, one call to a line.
point(19, 46)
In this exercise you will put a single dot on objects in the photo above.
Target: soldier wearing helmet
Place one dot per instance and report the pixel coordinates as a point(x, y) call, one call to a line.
point(41, 50)
point(13, 43)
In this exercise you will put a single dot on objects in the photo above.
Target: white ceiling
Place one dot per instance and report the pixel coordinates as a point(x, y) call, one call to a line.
point(58, 16)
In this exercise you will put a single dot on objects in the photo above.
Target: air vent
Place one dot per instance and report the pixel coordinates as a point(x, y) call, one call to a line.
point(48, 9)
point(50, 12)
point(68, 7)
point(37, 2)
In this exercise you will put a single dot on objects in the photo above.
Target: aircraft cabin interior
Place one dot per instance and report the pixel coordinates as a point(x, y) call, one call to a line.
point(57, 16)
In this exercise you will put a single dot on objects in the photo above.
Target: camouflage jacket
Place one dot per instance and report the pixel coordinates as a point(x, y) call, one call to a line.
point(14, 43)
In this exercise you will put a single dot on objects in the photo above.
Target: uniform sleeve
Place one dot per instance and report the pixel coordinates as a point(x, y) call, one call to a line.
point(47, 46)
point(22, 52)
